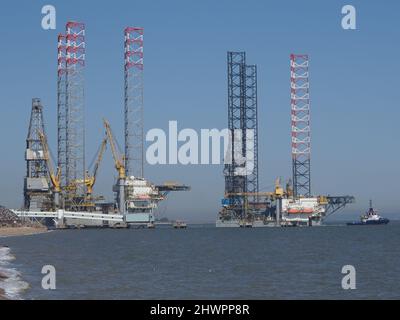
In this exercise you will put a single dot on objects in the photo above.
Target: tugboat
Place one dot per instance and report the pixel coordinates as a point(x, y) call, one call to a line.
point(371, 217)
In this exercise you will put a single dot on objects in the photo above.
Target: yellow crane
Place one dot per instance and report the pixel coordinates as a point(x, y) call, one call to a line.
point(119, 165)
point(54, 177)
point(91, 180)
point(277, 193)
point(86, 200)
point(242, 194)
point(118, 158)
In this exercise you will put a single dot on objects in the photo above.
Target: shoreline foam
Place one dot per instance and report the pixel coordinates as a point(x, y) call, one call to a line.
point(11, 283)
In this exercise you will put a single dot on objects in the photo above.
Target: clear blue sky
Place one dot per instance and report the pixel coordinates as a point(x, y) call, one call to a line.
point(354, 88)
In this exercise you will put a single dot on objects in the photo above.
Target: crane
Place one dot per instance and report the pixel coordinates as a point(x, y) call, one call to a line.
point(119, 165)
point(277, 193)
point(54, 177)
point(118, 159)
point(91, 180)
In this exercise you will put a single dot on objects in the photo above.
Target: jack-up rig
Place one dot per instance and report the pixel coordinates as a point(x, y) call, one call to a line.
point(243, 205)
point(64, 192)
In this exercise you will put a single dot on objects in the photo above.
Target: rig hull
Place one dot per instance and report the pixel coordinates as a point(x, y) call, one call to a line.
point(237, 223)
point(285, 212)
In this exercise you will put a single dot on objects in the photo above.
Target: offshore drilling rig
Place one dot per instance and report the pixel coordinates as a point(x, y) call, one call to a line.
point(62, 189)
point(243, 205)
point(37, 187)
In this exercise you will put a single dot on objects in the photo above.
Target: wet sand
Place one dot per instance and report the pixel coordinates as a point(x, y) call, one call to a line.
point(21, 231)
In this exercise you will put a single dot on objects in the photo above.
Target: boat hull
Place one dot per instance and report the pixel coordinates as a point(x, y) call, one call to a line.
point(369, 223)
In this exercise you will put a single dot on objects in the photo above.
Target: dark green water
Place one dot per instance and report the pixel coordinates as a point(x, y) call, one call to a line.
point(203, 262)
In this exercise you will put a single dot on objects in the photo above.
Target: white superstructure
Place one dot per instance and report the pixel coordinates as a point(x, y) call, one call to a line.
point(302, 211)
point(141, 199)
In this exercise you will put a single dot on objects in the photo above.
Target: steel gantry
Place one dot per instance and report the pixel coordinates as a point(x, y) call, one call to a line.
point(241, 171)
point(134, 136)
point(300, 125)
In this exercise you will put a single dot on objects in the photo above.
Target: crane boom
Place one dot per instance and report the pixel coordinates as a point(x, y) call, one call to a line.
point(118, 159)
point(100, 157)
point(91, 180)
point(54, 177)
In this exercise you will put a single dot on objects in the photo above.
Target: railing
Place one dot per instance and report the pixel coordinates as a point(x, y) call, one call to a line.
point(60, 214)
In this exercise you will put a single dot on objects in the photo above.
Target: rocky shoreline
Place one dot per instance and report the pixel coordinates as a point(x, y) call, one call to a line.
point(12, 225)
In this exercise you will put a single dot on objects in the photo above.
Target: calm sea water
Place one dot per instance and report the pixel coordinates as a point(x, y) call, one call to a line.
point(203, 262)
